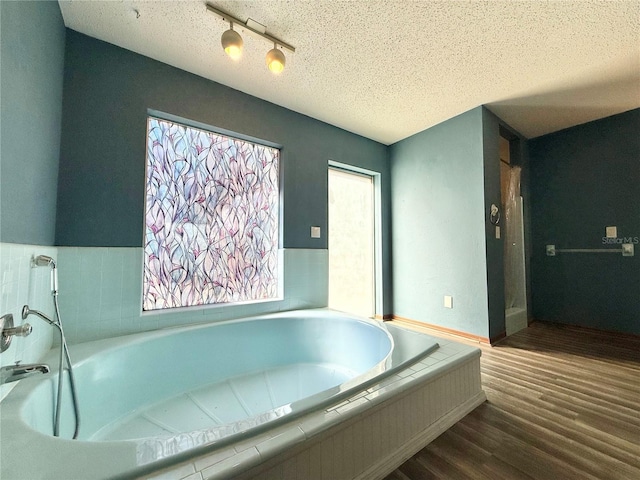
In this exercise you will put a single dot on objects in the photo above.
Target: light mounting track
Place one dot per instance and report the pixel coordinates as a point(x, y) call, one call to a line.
point(249, 26)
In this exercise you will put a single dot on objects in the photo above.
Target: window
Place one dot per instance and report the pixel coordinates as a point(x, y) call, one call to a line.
point(211, 214)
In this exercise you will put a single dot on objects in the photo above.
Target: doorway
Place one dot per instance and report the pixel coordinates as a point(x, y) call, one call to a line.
point(515, 284)
point(351, 242)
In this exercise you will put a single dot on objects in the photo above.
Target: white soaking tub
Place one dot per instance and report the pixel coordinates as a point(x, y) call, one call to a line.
point(151, 400)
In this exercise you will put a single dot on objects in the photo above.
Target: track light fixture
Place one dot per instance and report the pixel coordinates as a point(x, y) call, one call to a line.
point(232, 41)
point(275, 59)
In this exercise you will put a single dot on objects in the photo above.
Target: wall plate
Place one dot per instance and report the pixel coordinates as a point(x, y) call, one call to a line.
point(6, 321)
point(448, 301)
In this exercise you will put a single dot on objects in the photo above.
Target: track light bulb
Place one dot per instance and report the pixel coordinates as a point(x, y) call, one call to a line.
point(275, 60)
point(232, 43)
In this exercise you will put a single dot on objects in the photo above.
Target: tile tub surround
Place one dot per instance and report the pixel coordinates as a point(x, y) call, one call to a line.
point(23, 284)
point(366, 436)
point(101, 292)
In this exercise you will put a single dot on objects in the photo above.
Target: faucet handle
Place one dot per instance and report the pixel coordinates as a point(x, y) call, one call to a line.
point(7, 331)
point(6, 322)
point(21, 331)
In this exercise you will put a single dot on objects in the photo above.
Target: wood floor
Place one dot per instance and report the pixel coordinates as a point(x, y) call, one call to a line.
point(563, 403)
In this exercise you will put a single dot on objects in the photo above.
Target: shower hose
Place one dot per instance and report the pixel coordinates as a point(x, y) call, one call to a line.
point(64, 355)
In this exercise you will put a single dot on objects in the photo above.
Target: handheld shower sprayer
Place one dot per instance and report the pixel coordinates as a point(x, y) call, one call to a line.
point(46, 261)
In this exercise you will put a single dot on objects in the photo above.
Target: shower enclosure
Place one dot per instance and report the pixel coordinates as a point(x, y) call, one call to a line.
point(515, 293)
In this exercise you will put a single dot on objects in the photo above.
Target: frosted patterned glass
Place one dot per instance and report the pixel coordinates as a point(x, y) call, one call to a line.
point(351, 248)
point(211, 233)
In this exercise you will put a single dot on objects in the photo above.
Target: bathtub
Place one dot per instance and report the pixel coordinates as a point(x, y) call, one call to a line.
point(152, 400)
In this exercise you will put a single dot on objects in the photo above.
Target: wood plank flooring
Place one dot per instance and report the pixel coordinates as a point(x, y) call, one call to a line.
point(563, 403)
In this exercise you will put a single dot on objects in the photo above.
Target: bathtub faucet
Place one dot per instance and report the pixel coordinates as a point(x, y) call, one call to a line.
point(11, 373)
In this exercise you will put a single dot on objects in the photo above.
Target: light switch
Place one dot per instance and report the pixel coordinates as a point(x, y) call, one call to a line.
point(448, 301)
point(315, 232)
point(612, 232)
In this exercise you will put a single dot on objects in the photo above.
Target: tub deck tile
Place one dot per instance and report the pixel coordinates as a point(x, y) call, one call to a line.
point(283, 440)
point(391, 380)
point(427, 362)
point(386, 381)
point(249, 442)
point(338, 405)
point(380, 394)
point(219, 455)
point(319, 422)
point(352, 404)
point(355, 397)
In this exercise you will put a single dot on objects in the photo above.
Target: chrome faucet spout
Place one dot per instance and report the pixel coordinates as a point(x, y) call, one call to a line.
point(12, 373)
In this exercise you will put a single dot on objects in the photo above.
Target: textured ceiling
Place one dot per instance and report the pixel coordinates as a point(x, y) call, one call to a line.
point(389, 69)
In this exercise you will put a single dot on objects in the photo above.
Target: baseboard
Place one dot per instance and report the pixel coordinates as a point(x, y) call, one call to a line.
point(450, 331)
point(385, 317)
point(397, 457)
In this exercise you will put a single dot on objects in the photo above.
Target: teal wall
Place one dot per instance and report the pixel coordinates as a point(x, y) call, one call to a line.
point(584, 179)
point(492, 129)
point(32, 39)
point(106, 96)
point(438, 234)
point(494, 246)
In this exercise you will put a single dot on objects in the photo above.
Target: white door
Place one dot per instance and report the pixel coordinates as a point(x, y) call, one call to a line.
point(351, 242)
